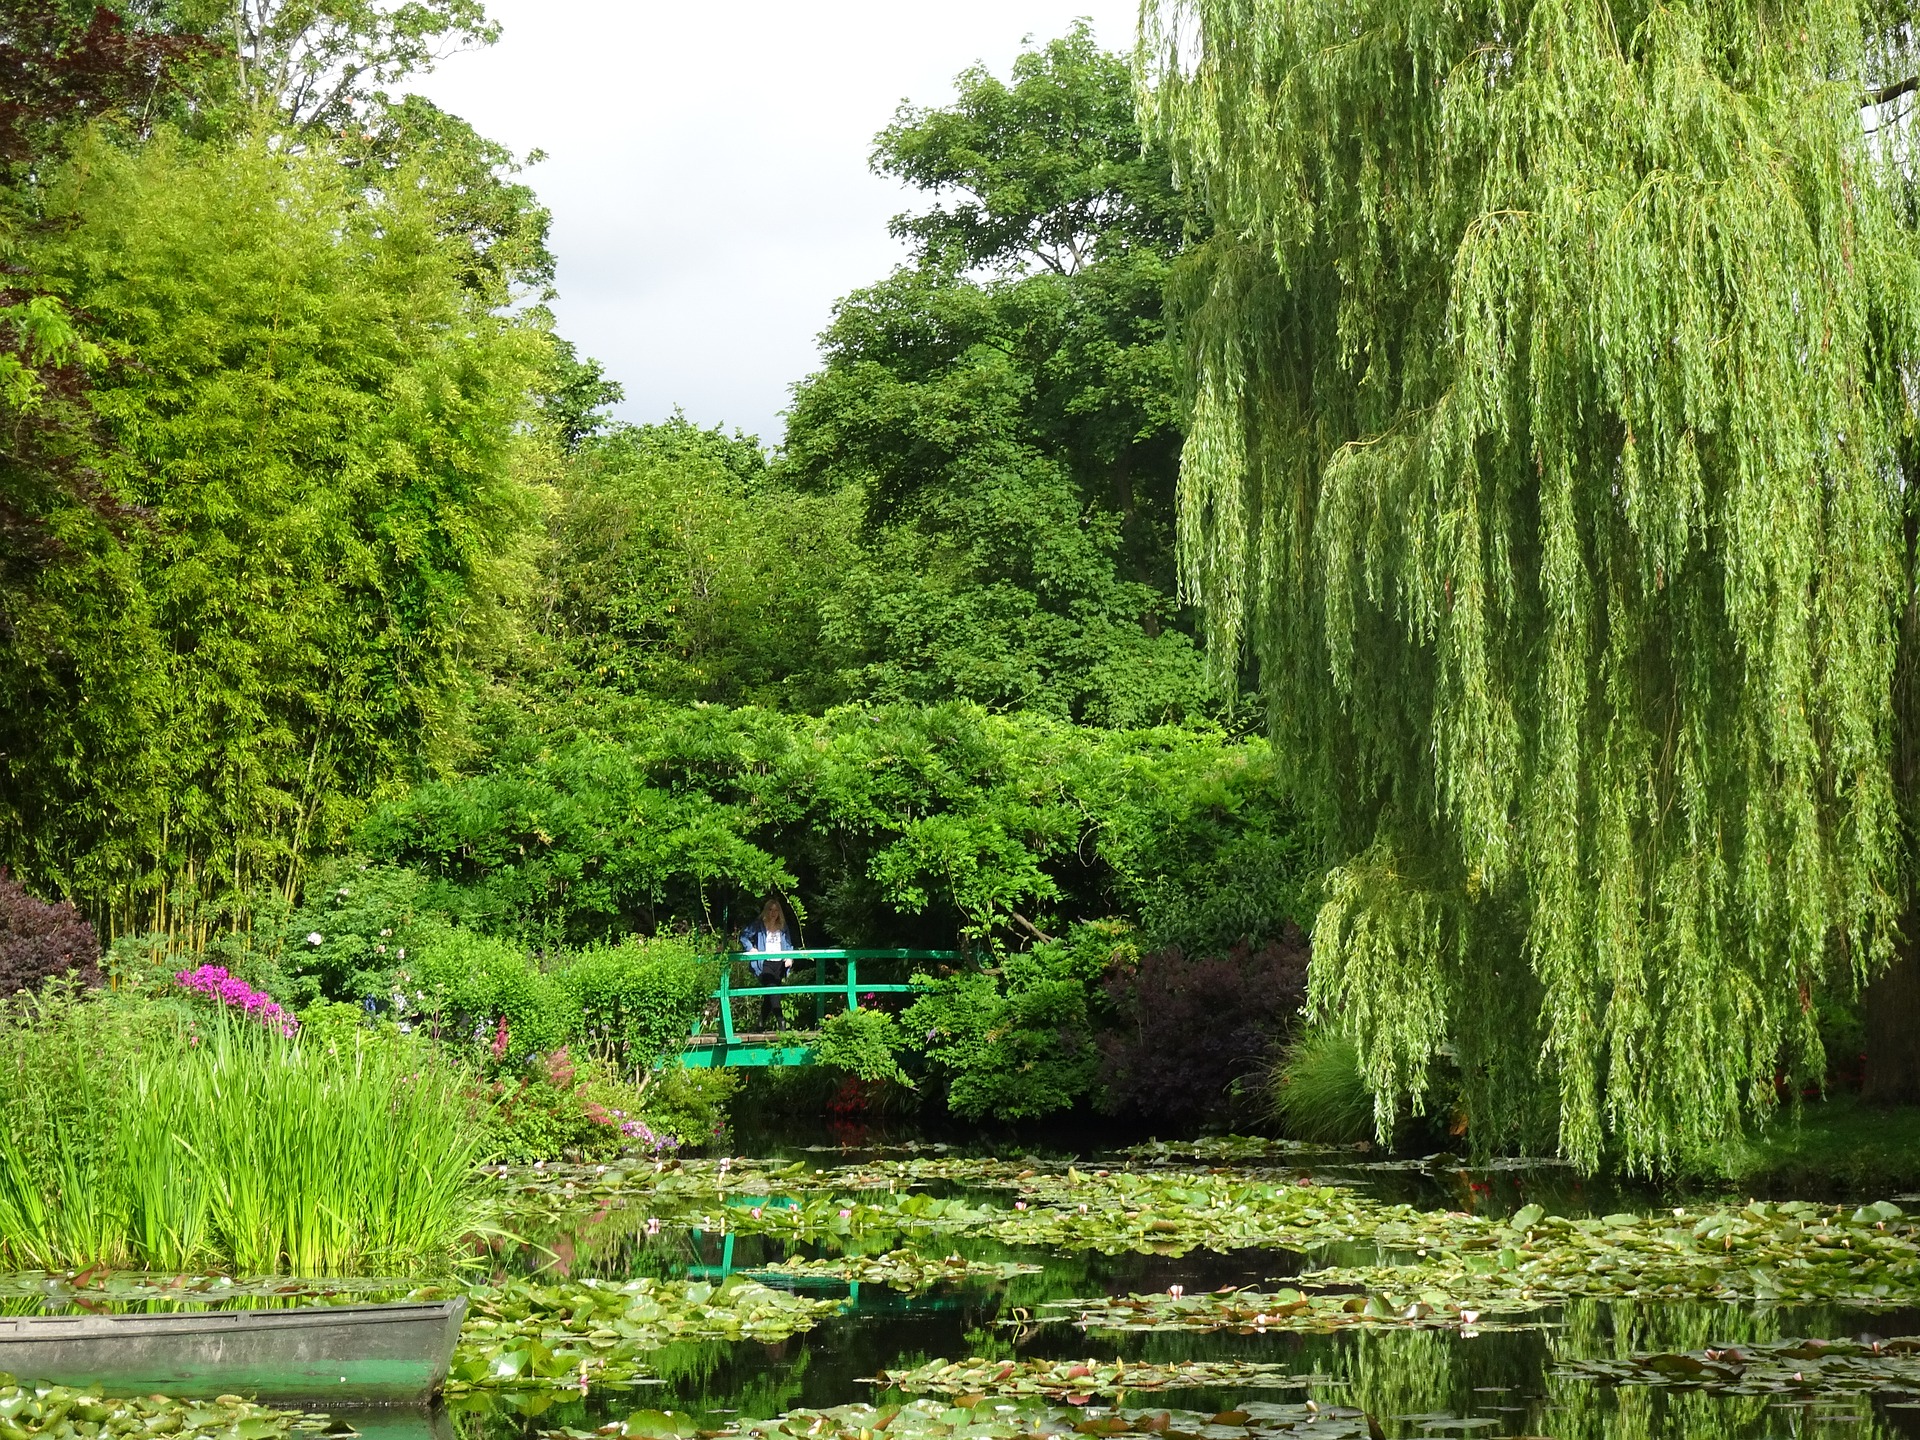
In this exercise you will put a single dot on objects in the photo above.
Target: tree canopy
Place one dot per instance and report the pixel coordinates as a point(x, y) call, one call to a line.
point(1551, 374)
point(318, 427)
point(1005, 410)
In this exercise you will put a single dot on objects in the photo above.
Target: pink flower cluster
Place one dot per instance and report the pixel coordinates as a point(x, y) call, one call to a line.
point(633, 1129)
point(216, 984)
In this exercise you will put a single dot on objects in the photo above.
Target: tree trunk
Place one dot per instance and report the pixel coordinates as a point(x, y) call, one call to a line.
point(1892, 1014)
point(1891, 1003)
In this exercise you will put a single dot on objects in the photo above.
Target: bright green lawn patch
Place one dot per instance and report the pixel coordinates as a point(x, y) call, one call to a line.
point(1836, 1144)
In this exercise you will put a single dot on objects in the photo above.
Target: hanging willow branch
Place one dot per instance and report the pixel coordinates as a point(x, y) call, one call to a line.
point(1892, 92)
point(1546, 368)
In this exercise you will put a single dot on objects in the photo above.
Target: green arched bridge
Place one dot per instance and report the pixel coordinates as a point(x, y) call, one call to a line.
point(726, 1046)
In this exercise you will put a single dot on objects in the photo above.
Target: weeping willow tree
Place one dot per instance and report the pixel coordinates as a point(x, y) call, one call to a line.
point(1551, 369)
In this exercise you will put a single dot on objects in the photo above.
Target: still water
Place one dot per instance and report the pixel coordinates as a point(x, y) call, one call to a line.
point(1496, 1382)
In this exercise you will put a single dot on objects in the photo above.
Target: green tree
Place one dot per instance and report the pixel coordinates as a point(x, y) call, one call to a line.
point(319, 63)
point(62, 68)
point(682, 568)
point(1047, 171)
point(1550, 376)
point(495, 225)
point(1005, 411)
point(321, 428)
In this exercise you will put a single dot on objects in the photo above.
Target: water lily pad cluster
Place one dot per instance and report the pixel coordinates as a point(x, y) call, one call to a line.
point(1234, 1150)
point(544, 1190)
point(1795, 1251)
point(1071, 1380)
point(826, 1216)
point(900, 1269)
point(936, 1420)
point(1253, 1312)
point(586, 1332)
point(85, 1414)
point(1790, 1251)
point(1797, 1367)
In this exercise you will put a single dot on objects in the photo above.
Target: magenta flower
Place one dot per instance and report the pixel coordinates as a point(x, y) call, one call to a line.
point(235, 994)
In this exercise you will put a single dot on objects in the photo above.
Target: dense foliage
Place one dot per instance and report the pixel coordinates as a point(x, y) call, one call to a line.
point(39, 941)
point(683, 567)
point(1550, 379)
point(1003, 410)
point(319, 429)
point(895, 825)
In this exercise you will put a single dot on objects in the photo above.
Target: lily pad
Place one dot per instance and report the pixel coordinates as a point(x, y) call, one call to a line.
point(86, 1414)
point(1068, 1378)
point(1253, 1312)
point(584, 1333)
point(936, 1419)
point(1801, 1368)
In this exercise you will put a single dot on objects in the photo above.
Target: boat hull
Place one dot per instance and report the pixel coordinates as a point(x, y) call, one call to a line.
point(323, 1356)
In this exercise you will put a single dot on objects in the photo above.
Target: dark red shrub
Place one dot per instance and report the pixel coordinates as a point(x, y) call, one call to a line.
point(39, 941)
point(1186, 1027)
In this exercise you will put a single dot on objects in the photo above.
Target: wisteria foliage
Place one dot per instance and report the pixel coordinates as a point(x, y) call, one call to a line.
point(1551, 371)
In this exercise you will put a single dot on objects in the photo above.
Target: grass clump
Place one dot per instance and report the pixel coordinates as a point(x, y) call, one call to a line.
point(1318, 1091)
point(137, 1135)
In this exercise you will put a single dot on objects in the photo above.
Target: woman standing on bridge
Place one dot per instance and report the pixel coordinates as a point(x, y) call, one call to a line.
point(767, 937)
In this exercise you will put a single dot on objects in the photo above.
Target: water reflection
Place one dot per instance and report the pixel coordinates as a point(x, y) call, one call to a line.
point(1417, 1383)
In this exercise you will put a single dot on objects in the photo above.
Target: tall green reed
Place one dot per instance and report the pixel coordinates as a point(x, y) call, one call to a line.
point(134, 1136)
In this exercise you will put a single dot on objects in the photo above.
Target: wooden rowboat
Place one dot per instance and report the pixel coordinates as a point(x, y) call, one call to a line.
point(319, 1356)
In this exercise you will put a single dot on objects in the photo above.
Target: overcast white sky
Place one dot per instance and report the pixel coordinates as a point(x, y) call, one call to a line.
point(707, 167)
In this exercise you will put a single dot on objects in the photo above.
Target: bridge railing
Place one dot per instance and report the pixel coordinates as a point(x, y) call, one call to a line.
point(727, 1046)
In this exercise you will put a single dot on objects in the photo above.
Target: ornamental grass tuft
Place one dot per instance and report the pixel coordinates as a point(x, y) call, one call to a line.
point(134, 1135)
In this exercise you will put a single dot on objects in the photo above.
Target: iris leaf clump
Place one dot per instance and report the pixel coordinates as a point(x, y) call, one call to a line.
point(135, 1138)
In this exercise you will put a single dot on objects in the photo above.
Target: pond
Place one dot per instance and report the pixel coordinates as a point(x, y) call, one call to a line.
point(997, 1260)
point(1227, 1290)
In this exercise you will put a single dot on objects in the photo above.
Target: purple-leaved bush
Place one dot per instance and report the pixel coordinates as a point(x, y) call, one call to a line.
point(39, 941)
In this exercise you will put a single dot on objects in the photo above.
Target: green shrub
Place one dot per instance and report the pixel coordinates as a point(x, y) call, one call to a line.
point(333, 1026)
point(637, 1001)
point(486, 996)
point(1016, 1042)
point(689, 1105)
point(139, 1135)
point(862, 1042)
point(562, 1106)
point(1318, 1092)
point(354, 930)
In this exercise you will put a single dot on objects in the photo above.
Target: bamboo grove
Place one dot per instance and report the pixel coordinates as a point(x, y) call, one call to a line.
point(1551, 366)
